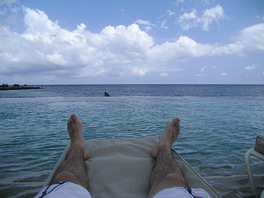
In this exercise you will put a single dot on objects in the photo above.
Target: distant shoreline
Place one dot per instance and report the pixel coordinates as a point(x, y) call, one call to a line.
point(17, 88)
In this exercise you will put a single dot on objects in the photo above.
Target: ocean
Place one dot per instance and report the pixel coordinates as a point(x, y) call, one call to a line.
point(219, 124)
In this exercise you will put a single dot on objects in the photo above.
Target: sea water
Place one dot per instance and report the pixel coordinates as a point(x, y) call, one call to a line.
point(219, 123)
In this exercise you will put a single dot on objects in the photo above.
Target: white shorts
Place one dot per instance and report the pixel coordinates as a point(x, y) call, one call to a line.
point(182, 192)
point(63, 189)
point(71, 190)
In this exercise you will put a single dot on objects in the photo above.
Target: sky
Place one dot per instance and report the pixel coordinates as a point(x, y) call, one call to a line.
point(131, 42)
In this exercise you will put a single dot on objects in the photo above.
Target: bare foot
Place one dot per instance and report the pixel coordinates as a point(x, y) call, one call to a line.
point(171, 133)
point(75, 129)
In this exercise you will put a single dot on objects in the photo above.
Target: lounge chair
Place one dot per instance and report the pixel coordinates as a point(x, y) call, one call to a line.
point(121, 168)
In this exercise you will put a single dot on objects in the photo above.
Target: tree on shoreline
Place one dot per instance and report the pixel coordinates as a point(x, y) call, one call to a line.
point(4, 85)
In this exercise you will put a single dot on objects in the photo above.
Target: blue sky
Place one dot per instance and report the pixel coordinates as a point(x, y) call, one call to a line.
point(117, 41)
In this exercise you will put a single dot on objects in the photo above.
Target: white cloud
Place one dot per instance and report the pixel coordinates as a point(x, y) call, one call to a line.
point(203, 68)
point(4, 5)
point(249, 42)
point(259, 17)
point(139, 21)
point(263, 73)
point(122, 10)
point(140, 71)
point(210, 15)
point(39, 27)
point(163, 24)
point(170, 13)
point(56, 59)
point(184, 48)
point(164, 74)
point(7, 2)
point(187, 16)
point(253, 39)
point(148, 28)
point(189, 20)
point(179, 1)
point(186, 20)
point(15, 9)
point(250, 67)
point(223, 74)
point(201, 75)
point(214, 67)
point(164, 18)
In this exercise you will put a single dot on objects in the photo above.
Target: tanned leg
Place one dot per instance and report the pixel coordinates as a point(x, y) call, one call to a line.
point(166, 173)
point(73, 168)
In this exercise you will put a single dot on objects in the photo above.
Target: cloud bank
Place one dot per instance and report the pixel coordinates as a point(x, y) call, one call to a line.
point(44, 48)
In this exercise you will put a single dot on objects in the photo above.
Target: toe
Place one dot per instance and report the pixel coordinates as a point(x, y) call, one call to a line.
point(176, 120)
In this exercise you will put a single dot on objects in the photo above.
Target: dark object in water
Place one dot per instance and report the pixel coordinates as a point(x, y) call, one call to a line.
point(107, 94)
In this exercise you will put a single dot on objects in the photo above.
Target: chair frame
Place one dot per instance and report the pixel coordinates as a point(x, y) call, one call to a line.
point(260, 156)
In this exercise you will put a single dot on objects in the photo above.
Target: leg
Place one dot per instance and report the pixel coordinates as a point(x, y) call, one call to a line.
point(73, 168)
point(166, 173)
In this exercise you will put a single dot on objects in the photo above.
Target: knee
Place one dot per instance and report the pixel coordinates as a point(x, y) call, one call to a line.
point(175, 179)
point(64, 176)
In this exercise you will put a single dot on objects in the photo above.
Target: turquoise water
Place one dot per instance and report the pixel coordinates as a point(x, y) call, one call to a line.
point(218, 125)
